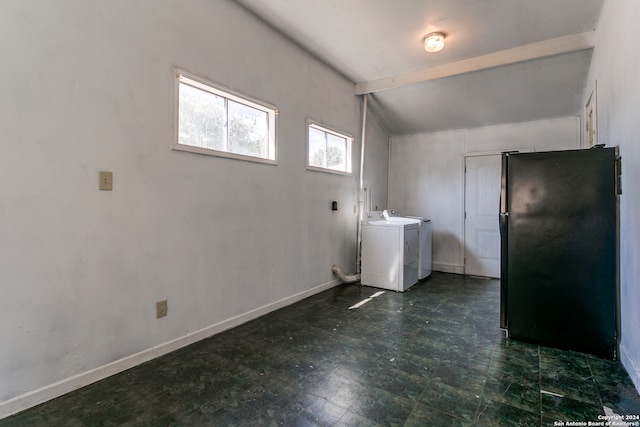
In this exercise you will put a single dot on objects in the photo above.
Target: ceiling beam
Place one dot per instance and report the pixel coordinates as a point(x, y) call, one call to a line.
point(551, 47)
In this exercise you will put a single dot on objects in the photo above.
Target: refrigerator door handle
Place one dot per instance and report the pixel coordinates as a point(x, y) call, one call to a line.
point(503, 220)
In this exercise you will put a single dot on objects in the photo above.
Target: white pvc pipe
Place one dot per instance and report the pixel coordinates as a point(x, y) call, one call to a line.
point(361, 194)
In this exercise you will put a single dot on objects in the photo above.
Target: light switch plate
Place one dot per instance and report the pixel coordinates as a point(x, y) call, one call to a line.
point(105, 180)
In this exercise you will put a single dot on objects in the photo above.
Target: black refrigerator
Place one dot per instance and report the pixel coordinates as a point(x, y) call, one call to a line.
point(559, 240)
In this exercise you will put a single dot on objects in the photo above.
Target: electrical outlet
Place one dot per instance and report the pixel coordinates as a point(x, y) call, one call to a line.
point(161, 308)
point(105, 180)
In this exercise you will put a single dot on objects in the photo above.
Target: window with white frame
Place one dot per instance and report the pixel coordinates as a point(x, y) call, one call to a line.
point(328, 150)
point(215, 120)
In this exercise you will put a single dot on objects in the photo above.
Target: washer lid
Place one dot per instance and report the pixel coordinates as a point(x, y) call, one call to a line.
point(403, 220)
point(392, 214)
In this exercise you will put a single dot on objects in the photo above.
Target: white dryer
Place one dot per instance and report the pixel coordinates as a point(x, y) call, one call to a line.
point(389, 253)
point(426, 240)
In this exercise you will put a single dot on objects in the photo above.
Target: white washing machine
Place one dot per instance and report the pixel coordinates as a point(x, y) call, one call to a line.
point(426, 240)
point(389, 253)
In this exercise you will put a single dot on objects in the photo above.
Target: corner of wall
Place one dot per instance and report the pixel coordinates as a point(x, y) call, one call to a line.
point(630, 365)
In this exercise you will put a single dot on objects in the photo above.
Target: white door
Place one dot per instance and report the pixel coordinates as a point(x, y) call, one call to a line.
point(482, 205)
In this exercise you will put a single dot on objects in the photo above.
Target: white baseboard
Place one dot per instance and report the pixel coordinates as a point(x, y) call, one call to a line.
point(36, 397)
point(448, 268)
point(630, 365)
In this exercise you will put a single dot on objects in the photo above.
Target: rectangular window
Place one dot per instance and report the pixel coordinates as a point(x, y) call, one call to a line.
point(214, 120)
point(328, 150)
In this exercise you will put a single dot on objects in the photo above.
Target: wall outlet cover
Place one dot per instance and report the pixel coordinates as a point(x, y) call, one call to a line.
point(161, 308)
point(105, 180)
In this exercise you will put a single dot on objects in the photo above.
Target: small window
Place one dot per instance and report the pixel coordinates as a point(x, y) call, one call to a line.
point(214, 120)
point(328, 150)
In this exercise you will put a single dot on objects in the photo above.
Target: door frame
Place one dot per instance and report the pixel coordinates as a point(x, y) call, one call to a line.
point(590, 133)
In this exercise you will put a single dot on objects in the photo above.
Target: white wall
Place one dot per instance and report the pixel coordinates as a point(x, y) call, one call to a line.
point(616, 67)
point(88, 86)
point(426, 174)
point(376, 163)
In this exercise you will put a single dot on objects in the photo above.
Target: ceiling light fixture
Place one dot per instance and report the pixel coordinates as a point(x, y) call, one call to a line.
point(434, 42)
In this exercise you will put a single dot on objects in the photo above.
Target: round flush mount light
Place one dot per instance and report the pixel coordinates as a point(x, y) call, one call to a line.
point(434, 42)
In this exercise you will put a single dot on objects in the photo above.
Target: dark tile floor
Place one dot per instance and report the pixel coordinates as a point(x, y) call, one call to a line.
point(432, 356)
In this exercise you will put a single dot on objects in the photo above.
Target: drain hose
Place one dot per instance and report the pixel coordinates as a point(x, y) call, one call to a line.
point(346, 278)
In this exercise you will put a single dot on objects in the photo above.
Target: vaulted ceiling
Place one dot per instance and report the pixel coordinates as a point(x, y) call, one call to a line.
point(504, 61)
